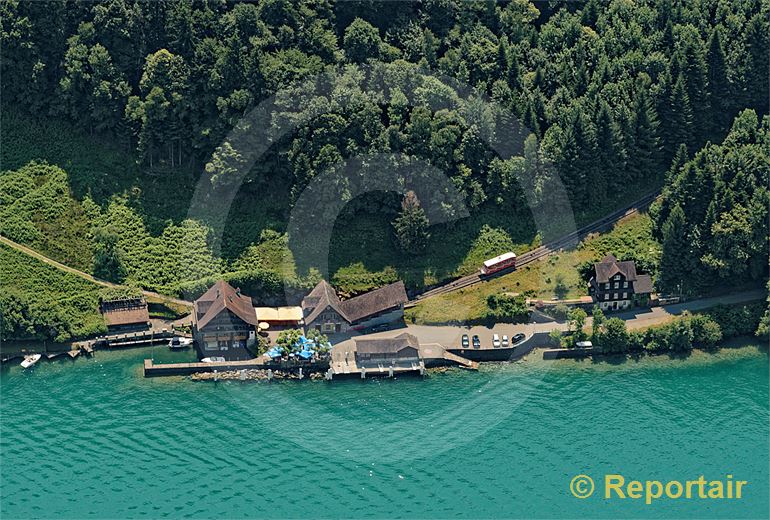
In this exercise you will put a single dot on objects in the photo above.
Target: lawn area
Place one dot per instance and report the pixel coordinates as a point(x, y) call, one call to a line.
point(364, 253)
point(630, 238)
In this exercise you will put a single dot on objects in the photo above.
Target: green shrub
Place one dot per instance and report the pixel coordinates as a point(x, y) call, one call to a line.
point(504, 308)
point(37, 209)
point(39, 301)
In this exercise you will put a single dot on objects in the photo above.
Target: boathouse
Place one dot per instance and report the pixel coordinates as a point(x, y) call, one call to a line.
point(224, 323)
point(125, 314)
point(325, 312)
point(616, 285)
point(404, 348)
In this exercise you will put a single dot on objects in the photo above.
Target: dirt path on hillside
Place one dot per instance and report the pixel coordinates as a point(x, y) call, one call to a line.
point(104, 283)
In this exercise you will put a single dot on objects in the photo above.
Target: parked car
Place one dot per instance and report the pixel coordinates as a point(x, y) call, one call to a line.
point(505, 341)
point(476, 341)
point(518, 337)
point(379, 328)
point(213, 359)
point(465, 342)
point(496, 341)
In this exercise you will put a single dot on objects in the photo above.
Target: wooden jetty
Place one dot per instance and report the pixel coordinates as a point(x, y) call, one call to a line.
point(345, 362)
point(129, 339)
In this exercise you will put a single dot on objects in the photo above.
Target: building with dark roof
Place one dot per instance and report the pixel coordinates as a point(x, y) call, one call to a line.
point(125, 314)
point(324, 311)
point(616, 285)
point(224, 323)
point(402, 348)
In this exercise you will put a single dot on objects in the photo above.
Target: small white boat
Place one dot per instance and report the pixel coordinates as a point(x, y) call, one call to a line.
point(178, 343)
point(30, 360)
point(214, 359)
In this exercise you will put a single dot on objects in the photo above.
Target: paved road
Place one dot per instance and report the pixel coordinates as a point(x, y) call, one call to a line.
point(451, 335)
point(81, 274)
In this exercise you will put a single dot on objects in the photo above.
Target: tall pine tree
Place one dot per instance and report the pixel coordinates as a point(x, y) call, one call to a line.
point(676, 261)
point(411, 225)
point(719, 91)
point(680, 125)
point(644, 158)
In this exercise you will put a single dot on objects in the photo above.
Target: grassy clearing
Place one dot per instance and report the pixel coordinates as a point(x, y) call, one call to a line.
point(364, 253)
point(630, 238)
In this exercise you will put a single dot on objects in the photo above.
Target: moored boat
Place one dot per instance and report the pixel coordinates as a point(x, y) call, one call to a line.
point(179, 343)
point(30, 360)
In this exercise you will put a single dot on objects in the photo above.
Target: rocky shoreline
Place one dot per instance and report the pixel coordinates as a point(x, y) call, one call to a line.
point(254, 375)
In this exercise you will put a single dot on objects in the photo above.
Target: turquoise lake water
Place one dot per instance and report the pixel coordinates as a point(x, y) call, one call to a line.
point(93, 439)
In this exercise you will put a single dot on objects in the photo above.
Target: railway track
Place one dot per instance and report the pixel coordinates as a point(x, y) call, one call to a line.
point(569, 240)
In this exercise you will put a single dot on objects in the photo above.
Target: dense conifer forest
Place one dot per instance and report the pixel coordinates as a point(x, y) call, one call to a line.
point(124, 105)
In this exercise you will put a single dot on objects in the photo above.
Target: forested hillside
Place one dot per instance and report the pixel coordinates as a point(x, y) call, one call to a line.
point(609, 93)
point(713, 217)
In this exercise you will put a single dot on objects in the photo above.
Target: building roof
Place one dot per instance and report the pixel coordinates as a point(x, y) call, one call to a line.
point(643, 284)
point(321, 297)
point(354, 309)
point(375, 301)
point(124, 311)
point(278, 313)
point(219, 297)
point(386, 345)
point(609, 267)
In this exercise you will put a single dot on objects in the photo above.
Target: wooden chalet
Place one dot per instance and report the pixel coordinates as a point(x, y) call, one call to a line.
point(324, 311)
point(224, 323)
point(616, 285)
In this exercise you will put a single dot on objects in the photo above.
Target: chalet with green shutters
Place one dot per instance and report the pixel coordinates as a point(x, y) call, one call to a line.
point(617, 286)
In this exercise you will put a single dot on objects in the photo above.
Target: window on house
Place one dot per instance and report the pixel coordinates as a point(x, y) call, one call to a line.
point(607, 285)
point(615, 296)
point(617, 277)
point(617, 284)
point(606, 296)
point(625, 285)
point(625, 295)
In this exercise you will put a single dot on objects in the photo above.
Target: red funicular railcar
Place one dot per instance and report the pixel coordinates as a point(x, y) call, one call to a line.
point(498, 263)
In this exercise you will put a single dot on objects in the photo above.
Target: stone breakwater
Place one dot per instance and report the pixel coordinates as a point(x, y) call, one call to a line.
point(253, 375)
